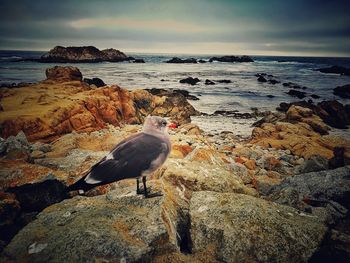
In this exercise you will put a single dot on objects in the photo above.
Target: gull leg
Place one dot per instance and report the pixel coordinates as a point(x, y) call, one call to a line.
point(147, 195)
point(144, 186)
point(138, 191)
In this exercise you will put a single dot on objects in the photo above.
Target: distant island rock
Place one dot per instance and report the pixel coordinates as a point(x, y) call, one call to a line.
point(336, 70)
point(179, 60)
point(232, 59)
point(86, 54)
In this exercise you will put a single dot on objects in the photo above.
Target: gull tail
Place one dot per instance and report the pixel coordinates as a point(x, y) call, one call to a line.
point(81, 184)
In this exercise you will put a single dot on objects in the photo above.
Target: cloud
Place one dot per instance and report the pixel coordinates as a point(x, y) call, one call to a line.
point(138, 24)
point(234, 26)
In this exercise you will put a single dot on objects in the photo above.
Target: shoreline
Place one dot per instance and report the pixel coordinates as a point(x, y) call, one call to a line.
point(73, 124)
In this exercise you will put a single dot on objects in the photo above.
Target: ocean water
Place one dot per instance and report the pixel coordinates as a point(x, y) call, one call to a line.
point(243, 93)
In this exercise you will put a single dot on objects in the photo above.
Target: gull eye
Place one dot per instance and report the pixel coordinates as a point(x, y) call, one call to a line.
point(164, 123)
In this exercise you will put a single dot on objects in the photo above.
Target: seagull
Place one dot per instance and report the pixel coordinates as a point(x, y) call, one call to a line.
point(135, 157)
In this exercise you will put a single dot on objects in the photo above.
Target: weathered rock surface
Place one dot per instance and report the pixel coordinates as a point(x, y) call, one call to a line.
point(299, 138)
point(240, 228)
point(319, 187)
point(121, 229)
point(305, 115)
point(232, 59)
point(83, 54)
point(68, 73)
point(61, 104)
point(59, 108)
point(331, 112)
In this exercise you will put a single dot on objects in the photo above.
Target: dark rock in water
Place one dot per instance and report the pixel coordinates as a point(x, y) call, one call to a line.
point(336, 70)
point(138, 60)
point(186, 94)
point(209, 82)
point(296, 93)
point(314, 164)
point(273, 81)
point(342, 91)
point(270, 96)
point(284, 106)
point(95, 81)
point(314, 96)
point(179, 60)
point(190, 80)
point(202, 61)
point(61, 74)
point(162, 80)
point(223, 81)
point(262, 79)
point(86, 54)
point(234, 114)
point(232, 59)
point(293, 85)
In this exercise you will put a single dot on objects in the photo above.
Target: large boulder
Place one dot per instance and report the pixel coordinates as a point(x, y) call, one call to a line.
point(68, 73)
point(332, 112)
point(300, 114)
point(84, 54)
point(124, 229)
point(78, 108)
point(300, 138)
point(319, 187)
point(164, 103)
point(241, 228)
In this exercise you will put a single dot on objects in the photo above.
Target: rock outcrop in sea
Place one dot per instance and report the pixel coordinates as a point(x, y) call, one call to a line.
point(279, 196)
point(64, 103)
point(336, 70)
point(85, 54)
point(232, 59)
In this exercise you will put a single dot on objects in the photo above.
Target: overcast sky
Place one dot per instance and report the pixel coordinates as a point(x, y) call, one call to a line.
point(260, 27)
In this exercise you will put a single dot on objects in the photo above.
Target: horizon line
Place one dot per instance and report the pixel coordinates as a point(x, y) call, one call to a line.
point(200, 54)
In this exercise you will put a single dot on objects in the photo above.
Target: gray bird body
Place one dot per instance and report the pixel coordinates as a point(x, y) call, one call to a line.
point(137, 156)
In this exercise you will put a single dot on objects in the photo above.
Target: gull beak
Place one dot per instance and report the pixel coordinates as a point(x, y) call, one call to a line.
point(172, 126)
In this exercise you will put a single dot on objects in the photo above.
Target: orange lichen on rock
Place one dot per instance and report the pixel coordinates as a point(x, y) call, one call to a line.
point(49, 109)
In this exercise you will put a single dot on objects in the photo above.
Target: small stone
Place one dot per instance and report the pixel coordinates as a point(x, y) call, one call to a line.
point(36, 248)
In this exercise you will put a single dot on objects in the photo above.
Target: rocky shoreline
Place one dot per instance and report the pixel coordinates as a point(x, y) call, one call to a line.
point(280, 195)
